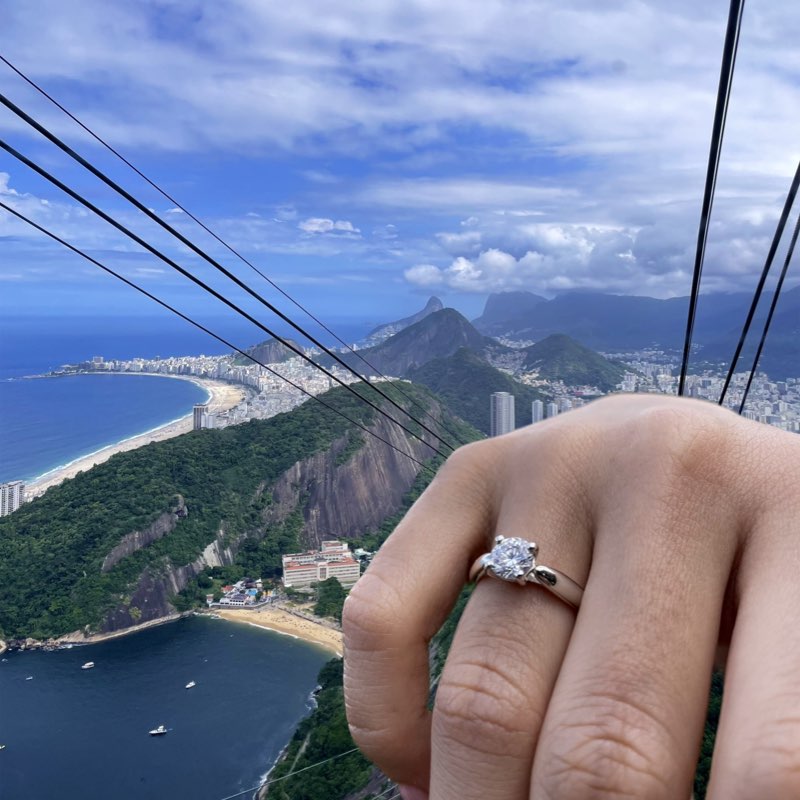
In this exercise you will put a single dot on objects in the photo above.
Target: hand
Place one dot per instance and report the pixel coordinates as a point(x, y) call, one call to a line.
point(682, 521)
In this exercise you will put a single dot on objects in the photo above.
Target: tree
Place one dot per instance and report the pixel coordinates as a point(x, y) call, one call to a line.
point(330, 599)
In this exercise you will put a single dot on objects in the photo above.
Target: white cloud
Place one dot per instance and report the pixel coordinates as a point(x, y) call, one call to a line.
point(321, 225)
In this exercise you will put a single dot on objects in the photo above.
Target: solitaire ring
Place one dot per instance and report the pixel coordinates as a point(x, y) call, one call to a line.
point(514, 560)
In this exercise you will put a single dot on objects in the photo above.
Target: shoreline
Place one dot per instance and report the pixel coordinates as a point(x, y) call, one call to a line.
point(221, 396)
point(278, 620)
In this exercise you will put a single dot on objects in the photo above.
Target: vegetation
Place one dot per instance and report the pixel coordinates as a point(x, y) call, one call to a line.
point(464, 382)
point(709, 735)
point(559, 358)
point(330, 599)
point(322, 735)
point(52, 549)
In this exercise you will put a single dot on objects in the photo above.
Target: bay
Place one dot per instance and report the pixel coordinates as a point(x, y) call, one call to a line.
point(83, 734)
point(48, 422)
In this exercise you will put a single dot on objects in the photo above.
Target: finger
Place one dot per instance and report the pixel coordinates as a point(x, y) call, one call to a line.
point(757, 751)
point(626, 715)
point(398, 605)
point(506, 655)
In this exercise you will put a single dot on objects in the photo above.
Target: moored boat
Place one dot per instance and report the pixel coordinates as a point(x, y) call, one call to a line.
point(191, 685)
point(159, 731)
point(88, 665)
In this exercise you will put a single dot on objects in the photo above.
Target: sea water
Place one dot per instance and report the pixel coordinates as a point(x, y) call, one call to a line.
point(48, 422)
point(83, 734)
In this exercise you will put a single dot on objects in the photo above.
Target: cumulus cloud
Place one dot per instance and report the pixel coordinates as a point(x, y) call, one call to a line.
point(321, 225)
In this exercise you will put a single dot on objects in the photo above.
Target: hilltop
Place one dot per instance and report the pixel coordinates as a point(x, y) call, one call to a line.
point(382, 332)
point(561, 358)
point(270, 351)
point(464, 382)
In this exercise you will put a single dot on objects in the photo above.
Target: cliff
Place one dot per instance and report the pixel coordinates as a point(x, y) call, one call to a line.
point(112, 547)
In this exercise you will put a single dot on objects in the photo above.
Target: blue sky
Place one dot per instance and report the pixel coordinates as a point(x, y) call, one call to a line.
point(370, 155)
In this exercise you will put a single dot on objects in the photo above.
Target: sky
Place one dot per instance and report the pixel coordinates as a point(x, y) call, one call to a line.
point(368, 155)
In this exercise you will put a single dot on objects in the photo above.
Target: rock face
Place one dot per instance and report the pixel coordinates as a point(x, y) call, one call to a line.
point(346, 500)
point(340, 495)
point(151, 597)
point(270, 351)
point(135, 540)
point(383, 332)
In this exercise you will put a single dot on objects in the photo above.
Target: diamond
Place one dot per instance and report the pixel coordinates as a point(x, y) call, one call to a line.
point(512, 558)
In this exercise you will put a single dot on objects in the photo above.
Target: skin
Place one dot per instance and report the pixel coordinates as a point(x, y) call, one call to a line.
point(682, 520)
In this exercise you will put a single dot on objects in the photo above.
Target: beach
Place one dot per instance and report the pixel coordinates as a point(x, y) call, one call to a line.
point(282, 621)
point(222, 397)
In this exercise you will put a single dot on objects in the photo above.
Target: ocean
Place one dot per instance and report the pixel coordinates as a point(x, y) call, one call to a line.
point(83, 734)
point(48, 423)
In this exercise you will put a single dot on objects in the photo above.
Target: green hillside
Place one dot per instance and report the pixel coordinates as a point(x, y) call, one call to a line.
point(464, 382)
point(52, 549)
point(560, 358)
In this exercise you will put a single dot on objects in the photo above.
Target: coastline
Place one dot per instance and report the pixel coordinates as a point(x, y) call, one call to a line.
point(278, 620)
point(222, 396)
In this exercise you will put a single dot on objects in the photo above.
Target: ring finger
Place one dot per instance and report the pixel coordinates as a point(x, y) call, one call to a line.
point(504, 660)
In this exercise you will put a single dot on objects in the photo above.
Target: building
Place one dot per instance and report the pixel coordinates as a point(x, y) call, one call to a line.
point(12, 496)
point(333, 560)
point(564, 405)
point(552, 410)
point(501, 413)
point(537, 411)
point(200, 411)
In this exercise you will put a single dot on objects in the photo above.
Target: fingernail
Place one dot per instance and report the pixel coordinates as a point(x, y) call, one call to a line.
point(412, 793)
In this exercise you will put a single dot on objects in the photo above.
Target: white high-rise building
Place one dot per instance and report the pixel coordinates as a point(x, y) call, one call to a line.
point(12, 496)
point(501, 413)
point(537, 411)
point(198, 418)
point(564, 404)
point(552, 410)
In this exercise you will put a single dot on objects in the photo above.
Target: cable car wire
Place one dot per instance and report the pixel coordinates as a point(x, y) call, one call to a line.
point(200, 326)
point(167, 260)
point(200, 252)
point(720, 115)
point(776, 239)
point(219, 239)
point(772, 307)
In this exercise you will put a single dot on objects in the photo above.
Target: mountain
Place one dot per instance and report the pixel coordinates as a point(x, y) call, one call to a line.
point(123, 543)
point(507, 310)
point(464, 382)
point(560, 358)
point(619, 323)
point(270, 351)
point(383, 332)
point(438, 335)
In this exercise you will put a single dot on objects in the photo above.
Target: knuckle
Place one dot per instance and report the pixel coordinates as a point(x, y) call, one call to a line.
point(609, 747)
point(370, 612)
point(480, 707)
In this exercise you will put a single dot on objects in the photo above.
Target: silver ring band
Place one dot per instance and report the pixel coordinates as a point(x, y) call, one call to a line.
point(514, 560)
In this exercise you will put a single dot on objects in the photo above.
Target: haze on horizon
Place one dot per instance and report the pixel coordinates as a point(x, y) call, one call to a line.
point(368, 156)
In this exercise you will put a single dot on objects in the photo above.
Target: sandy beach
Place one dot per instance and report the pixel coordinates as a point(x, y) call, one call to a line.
point(223, 396)
point(281, 621)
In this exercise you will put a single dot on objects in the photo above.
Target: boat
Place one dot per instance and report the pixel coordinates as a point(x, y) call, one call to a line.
point(29, 678)
point(2, 747)
point(88, 665)
point(191, 685)
point(159, 731)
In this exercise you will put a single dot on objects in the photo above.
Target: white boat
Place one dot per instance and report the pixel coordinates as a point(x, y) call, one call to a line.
point(29, 678)
point(2, 747)
point(88, 665)
point(159, 731)
point(191, 685)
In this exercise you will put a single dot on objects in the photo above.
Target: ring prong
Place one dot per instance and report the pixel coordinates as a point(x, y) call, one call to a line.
point(499, 539)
